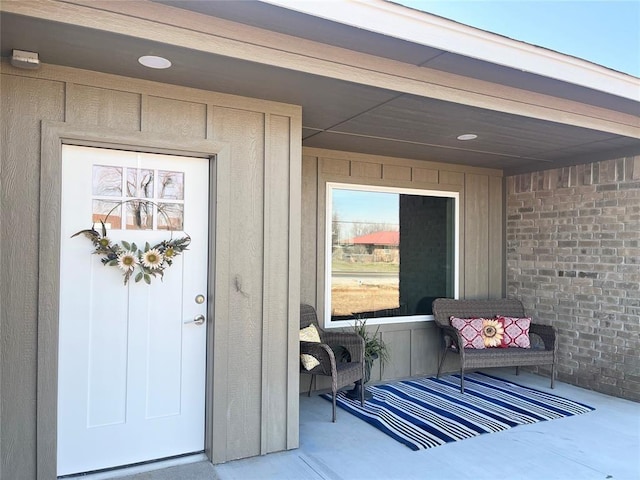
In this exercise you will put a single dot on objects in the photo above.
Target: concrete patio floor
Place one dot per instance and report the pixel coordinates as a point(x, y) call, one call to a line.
point(604, 444)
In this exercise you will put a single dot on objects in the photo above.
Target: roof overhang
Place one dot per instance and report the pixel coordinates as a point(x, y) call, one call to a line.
point(396, 21)
point(397, 82)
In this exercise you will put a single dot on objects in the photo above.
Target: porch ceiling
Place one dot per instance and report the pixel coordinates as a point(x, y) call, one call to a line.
point(348, 115)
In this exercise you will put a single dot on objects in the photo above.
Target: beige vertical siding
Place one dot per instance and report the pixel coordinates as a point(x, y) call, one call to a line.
point(413, 345)
point(87, 105)
point(476, 248)
point(38, 100)
point(309, 231)
point(496, 251)
point(253, 383)
point(243, 391)
point(188, 119)
point(275, 288)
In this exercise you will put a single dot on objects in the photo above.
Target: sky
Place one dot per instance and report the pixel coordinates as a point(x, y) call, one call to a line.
point(363, 206)
point(606, 32)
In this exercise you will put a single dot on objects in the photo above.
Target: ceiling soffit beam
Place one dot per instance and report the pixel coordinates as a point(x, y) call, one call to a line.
point(444, 147)
point(582, 159)
point(169, 25)
point(367, 157)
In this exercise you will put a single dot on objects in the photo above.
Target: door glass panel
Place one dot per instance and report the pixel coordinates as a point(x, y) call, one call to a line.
point(107, 181)
point(170, 216)
point(139, 183)
point(101, 209)
point(171, 185)
point(139, 190)
point(139, 215)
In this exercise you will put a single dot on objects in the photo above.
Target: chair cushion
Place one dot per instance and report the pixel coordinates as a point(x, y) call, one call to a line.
point(516, 331)
point(309, 362)
point(310, 334)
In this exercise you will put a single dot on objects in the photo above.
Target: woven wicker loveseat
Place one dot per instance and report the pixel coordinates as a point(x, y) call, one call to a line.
point(543, 349)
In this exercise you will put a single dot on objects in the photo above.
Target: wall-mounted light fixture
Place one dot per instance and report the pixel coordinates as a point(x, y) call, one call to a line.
point(24, 59)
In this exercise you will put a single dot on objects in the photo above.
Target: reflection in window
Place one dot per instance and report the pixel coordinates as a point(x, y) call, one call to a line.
point(171, 185)
point(139, 183)
point(140, 198)
point(392, 251)
point(170, 216)
point(108, 212)
point(107, 181)
point(139, 215)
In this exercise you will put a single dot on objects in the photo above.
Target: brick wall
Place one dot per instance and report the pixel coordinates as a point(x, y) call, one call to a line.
point(573, 258)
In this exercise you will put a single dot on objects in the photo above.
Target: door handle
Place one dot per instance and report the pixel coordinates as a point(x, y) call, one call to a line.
point(198, 320)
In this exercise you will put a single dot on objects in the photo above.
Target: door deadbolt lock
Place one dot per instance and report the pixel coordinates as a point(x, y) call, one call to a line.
point(200, 299)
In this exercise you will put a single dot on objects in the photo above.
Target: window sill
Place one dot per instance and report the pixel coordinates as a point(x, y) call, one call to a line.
point(379, 321)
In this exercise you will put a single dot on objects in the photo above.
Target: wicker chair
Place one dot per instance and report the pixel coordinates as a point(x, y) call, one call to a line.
point(543, 349)
point(341, 373)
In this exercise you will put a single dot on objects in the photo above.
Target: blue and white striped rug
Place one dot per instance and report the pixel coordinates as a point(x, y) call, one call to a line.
point(427, 412)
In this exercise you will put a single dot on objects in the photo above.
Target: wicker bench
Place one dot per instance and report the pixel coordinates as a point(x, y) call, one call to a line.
point(543, 349)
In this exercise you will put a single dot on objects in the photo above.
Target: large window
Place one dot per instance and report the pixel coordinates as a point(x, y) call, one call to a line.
point(389, 252)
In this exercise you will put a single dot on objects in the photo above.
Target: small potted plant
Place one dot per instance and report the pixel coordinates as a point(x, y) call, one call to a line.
point(374, 348)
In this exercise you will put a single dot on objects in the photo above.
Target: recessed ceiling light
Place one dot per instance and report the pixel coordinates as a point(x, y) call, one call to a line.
point(152, 61)
point(468, 136)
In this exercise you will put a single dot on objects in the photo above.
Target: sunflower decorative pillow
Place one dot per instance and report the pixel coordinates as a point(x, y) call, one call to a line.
point(479, 333)
point(492, 333)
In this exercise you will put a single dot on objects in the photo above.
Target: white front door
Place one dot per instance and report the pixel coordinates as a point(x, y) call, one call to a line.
point(131, 371)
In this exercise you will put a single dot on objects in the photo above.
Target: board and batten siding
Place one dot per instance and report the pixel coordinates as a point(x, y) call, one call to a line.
point(413, 345)
point(252, 393)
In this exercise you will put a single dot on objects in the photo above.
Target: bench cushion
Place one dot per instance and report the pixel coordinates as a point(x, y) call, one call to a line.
point(507, 357)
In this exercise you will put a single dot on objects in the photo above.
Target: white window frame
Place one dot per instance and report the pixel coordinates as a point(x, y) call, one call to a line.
point(330, 186)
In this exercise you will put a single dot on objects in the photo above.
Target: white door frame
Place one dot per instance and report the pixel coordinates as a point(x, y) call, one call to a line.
point(54, 134)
